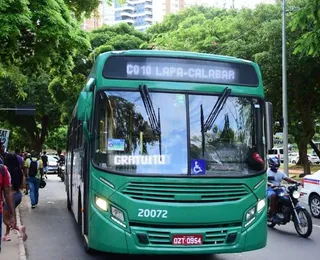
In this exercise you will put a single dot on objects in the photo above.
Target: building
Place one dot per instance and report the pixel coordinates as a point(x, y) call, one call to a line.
point(95, 21)
point(251, 3)
point(143, 13)
point(210, 3)
point(135, 12)
point(165, 7)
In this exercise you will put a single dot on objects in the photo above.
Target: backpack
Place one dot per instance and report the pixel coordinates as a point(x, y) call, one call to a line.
point(33, 168)
point(13, 165)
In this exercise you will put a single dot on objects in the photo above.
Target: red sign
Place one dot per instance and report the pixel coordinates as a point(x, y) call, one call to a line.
point(187, 240)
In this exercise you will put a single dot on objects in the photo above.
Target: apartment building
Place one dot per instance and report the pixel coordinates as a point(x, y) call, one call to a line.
point(143, 13)
point(135, 12)
point(165, 7)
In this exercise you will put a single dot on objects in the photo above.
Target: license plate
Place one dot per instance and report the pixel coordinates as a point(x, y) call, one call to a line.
point(187, 240)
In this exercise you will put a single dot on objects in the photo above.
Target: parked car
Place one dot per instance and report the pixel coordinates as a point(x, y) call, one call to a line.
point(293, 156)
point(276, 151)
point(52, 163)
point(311, 158)
point(310, 192)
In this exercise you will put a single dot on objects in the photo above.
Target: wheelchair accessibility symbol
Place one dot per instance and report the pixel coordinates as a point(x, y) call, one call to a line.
point(198, 167)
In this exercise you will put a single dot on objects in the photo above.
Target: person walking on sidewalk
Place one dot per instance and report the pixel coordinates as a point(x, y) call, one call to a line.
point(34, 171)
point(44, 159)
point(13, 165)
point(5, 184)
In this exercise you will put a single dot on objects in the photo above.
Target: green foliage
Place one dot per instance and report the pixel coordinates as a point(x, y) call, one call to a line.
point(57, 138)
point(40, 40)
point(121, 36)
point(254, 34)
point(306, 18)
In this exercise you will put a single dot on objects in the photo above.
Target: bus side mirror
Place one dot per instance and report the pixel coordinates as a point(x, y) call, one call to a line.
point(84, 110)
point(84, 106)
point(269, 125)
point(87, 134)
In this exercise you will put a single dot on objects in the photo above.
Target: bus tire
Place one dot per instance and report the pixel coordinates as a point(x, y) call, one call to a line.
point(68, 202)
point(79, 213)
point(86, 247)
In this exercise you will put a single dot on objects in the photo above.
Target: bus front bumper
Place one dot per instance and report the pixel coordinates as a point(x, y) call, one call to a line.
point(108, 236)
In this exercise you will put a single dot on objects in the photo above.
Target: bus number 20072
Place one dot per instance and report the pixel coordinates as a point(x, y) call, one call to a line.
point(152, 213)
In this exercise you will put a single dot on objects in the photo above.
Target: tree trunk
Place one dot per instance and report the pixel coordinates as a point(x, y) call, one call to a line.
point(315, 148)
point(305, 138)
point(37, 136)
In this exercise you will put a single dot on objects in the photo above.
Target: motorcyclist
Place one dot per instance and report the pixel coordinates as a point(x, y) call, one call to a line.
point(274, 180)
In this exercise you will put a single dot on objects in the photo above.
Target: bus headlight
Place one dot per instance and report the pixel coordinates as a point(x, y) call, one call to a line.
point(102, 203)
point(296, 194)
point(260, 205)
point(117, 213)
point(250, 213)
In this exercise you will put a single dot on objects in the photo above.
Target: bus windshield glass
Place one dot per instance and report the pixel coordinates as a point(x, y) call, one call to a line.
point(144, 132)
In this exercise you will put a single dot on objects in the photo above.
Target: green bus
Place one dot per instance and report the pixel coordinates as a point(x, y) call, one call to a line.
point(166, 154)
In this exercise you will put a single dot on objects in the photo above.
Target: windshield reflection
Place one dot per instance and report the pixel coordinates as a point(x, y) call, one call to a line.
point(224, 146)
point(125, 141)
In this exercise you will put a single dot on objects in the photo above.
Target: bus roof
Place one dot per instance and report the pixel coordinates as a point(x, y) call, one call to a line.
point(166, 53)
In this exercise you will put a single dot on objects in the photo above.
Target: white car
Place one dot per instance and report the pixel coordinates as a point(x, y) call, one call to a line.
point(310, 192)
point(311, 158)
point(292, 156)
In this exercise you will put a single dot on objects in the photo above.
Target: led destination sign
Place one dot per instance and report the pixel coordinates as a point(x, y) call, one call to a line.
point(178, 69)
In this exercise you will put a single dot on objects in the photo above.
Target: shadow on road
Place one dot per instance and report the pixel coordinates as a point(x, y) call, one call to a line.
point(101, 256)
point(290, 234)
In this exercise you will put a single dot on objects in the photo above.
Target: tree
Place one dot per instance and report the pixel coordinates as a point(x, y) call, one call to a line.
point(253, 35)
point(57, 138)
point(40, 39)
point(86, 7)
point(118, 37)
point(306, 18)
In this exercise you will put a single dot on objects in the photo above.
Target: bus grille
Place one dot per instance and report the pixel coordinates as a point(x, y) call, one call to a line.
point(211, 238)
point(185, 192)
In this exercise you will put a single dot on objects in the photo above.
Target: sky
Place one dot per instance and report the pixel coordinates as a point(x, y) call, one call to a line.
point(228, 3)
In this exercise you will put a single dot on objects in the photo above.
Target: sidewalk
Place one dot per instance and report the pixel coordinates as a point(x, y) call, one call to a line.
point(14, 249)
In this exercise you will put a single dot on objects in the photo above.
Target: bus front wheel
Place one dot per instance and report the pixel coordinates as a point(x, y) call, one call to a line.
point(86, 247)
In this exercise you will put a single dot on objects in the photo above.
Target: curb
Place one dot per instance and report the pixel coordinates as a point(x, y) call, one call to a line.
point(22, 250)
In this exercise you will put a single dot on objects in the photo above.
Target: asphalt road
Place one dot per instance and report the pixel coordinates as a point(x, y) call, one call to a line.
point(53, 235)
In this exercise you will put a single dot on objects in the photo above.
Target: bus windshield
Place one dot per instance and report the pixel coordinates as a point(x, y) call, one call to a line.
point(176, 133)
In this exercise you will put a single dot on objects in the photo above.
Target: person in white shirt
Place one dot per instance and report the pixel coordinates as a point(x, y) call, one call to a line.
point(274, 179)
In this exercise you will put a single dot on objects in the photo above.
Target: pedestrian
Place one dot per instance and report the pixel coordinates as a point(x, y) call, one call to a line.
point(13, 165)
point(20, 158)
point(2, 152)
point(44, 159)
point(5, 192)
point(27, 155)
point(33, 168)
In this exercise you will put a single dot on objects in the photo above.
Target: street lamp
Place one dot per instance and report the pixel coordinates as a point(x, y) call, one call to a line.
point(284, 89)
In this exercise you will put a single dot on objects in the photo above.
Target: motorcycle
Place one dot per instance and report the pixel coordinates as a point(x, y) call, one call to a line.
point(61, 170)
point(288, 208)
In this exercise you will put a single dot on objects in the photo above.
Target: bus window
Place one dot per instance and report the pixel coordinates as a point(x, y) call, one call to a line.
point(126, 140)
point(226, 141)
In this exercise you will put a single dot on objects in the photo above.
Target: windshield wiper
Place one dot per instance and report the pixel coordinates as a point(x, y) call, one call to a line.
point(216, 109)
point(218, 106)
point(154, 121)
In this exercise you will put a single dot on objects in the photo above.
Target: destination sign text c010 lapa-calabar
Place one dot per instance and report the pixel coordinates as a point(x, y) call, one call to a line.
point(180, 69)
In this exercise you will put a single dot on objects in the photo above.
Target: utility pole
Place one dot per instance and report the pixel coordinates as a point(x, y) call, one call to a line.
point(284, 89)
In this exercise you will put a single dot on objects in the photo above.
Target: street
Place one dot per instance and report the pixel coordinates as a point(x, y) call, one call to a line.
point(53, 234)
